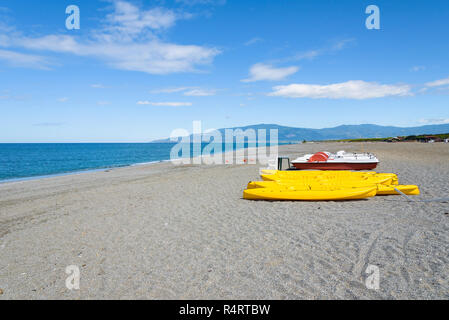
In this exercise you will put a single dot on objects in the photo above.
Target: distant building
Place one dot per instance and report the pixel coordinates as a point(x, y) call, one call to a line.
point(395, 139)
point(430, 139)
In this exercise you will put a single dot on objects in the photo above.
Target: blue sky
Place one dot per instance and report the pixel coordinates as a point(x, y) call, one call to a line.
point(136, 70)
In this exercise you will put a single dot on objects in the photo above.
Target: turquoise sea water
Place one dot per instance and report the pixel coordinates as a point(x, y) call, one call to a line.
point(35, 159)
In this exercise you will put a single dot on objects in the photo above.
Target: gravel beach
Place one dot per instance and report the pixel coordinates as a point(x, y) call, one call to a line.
point(161, 231)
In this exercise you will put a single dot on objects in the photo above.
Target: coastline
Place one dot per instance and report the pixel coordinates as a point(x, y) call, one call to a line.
point(75, 172)
point(62, 174)
point(160, 231)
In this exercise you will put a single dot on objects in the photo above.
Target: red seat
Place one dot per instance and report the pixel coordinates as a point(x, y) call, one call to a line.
point(319, 157)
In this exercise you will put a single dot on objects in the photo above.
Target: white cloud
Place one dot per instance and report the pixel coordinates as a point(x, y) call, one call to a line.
point(171, 90)
point(341, 44)
point(17, 59)
point(65, 99)
point(311, 54)
point(48, 124)
point(438, 83)
point(202, 2)
point(253, 41)
point(7, 95)
point(307, 55)
point(435, 121)
point(56, 43)
point(355, 89)
point(128, 41)
point(97, 86)
point(102, 103)
point(153, 57)
point(165, 104)
point(128, 21)
point(188, 91)
point(423, 90)
point(261, 72)
point(200, 92)
point(417, 68)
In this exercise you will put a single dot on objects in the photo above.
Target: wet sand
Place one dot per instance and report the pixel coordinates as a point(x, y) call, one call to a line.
point(184, 232)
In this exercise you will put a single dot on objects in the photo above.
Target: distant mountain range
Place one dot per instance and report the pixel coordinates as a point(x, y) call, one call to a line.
point(291, 134)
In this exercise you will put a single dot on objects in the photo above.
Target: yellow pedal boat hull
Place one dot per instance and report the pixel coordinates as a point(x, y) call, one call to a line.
point(334, 174)
point(410, 190)
point(309, 195)
point(384, 179)
point(297, 185)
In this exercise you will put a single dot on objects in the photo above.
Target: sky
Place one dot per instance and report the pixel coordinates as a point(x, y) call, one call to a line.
point(135, 71)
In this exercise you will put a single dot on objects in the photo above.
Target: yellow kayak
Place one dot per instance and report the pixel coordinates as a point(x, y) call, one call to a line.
point(381, 179)
point(324, 173)
point(410, 190)
point(317, 173)
point(320, 172)
point(270, 171)
point(297, 185)
point(309, 195)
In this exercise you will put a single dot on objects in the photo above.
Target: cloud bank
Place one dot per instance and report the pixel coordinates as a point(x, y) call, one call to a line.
point(18, 59)
point(355, 89)
point(129, 40)
point(435, 121)
point(165, 104)
point(438, 83)
point(188, 91)
point(266, 72)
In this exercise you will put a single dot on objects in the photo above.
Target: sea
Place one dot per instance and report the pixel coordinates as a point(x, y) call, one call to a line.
point(20, 161)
